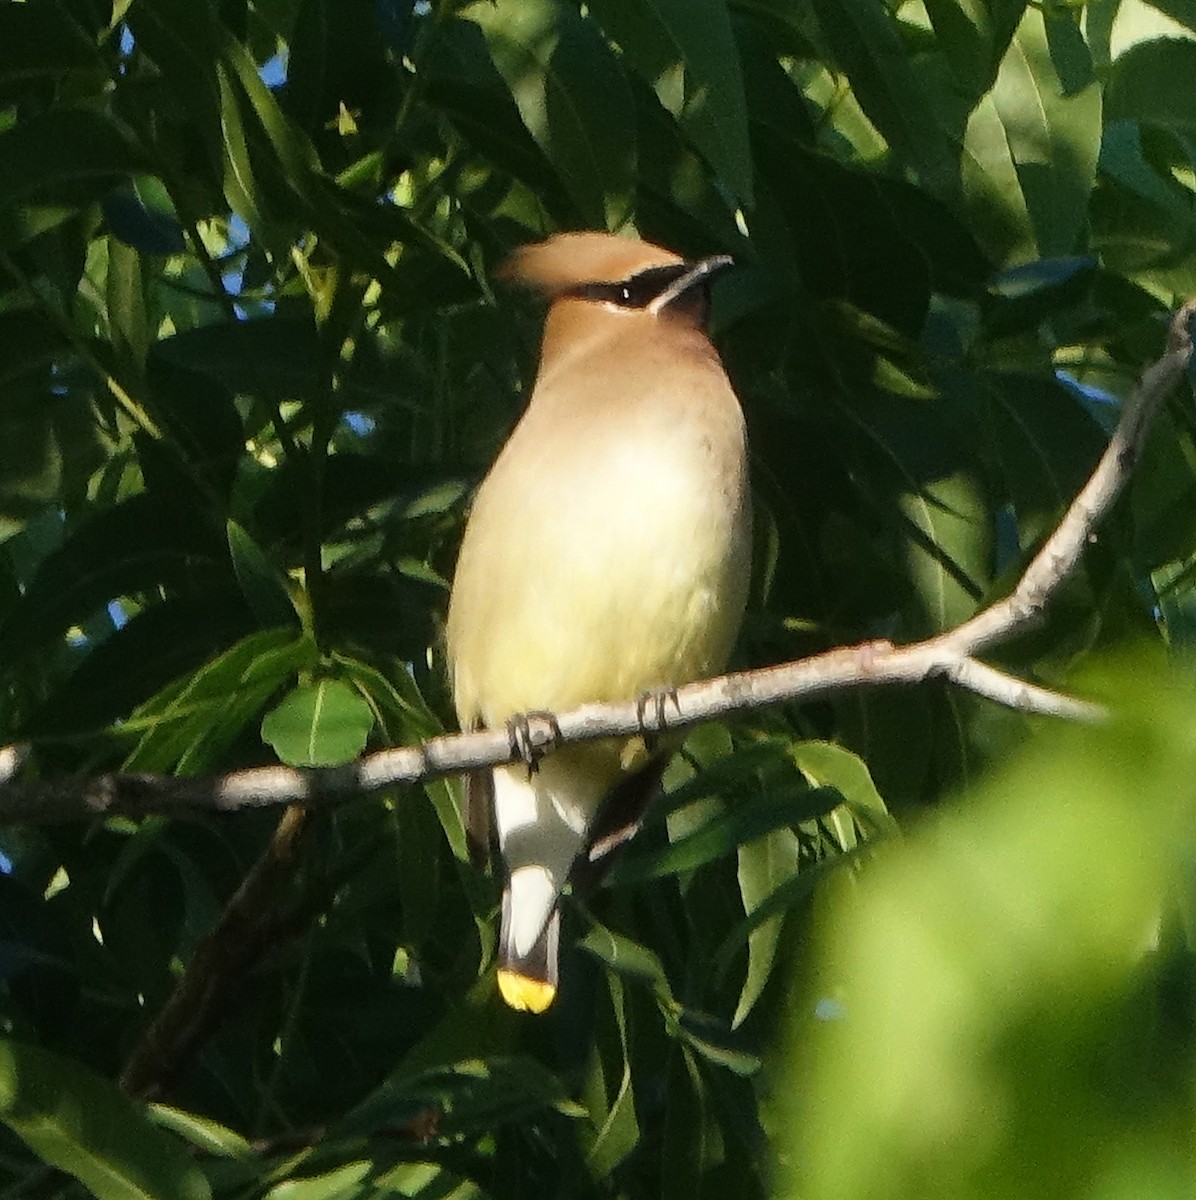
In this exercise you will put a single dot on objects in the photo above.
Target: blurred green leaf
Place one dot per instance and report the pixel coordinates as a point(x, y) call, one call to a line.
point(994, 977)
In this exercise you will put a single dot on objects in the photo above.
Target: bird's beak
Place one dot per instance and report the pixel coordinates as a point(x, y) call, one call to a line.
point(699, 271)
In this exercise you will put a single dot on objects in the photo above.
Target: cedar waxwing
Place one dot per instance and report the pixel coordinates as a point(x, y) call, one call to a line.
point(606, 557)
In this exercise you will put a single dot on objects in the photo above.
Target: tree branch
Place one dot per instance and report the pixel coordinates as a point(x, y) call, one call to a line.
point(950, 655)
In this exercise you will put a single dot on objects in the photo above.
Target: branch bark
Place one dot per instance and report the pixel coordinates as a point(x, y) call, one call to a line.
point(952, 655)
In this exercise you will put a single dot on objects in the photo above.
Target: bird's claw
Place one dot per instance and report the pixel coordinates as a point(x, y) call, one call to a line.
point(529, 745)
point(657, 700)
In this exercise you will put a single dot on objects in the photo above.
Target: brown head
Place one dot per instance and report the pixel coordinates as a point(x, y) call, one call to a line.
point(598, 283)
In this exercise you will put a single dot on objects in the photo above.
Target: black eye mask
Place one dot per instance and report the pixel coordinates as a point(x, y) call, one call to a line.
point(637, 292)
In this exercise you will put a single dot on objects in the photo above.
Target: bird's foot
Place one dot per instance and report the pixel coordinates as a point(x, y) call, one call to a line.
point(654, 702)
point(532, 735)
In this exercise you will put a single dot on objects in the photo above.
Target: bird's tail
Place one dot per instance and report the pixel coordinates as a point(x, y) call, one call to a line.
point(527, 973)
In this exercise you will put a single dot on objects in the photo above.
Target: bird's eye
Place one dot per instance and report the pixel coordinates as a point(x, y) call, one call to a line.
point(624, 294)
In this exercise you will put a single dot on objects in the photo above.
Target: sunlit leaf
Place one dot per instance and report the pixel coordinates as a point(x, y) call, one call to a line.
point(189, 722)
point(85, 1126)
point(1030, 153)
point(572, 97)
point(321, 724)
point(685, 49)
point(864, 40)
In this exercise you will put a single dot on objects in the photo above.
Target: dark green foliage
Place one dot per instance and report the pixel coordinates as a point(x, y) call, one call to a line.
point(252, 360)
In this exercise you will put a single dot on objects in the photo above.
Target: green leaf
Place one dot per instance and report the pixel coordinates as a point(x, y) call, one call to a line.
point(718, 837)
point(464, 84)
point(973, 34)
point(825, 764)
point(274, 357)
point(1148, 83)
point(41, 39)
point(154, 646)
point(949, 552)
point(186, 726)
point(128, 318)
point(863, 38)
point(1030, 154)
point(608, 1089)
point(296, 157)
point(263, 586)
point(998, 952)
point(27, 341)
point(1046, 445)
point(1143, 225)
point(397, 697)
point(149, 230)
point(572, 97)
point(1016, 283)
point(322, 724)
point(138, 544)
point(713, 1042)
point(1070, 55)
point(341, 1183)
point(1183, 11)
point(690, 1132)
point(202, 1132)
point(84, 1125)
point(627, 958)
point(764, 865)
point(182, 38)
point(242, 186)
point(685, 50)
point(73, 153)
point(469, 1094)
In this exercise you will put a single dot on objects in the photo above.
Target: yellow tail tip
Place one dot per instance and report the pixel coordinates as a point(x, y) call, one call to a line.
point(524, 994)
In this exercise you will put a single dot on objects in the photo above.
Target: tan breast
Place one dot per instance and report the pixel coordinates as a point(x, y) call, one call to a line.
point(608, 548)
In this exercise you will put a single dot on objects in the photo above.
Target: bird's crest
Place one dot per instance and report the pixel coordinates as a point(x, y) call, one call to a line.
point(569, 260)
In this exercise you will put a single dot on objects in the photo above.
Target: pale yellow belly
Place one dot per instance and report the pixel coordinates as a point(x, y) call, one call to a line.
point(596, 579)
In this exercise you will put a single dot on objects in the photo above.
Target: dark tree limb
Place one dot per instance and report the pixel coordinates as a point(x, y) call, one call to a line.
point(247, 929)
